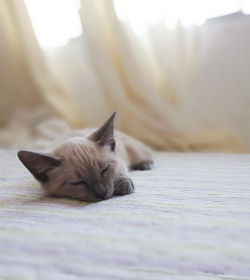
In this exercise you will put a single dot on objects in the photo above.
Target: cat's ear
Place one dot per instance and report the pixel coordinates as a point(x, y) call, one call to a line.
point(38, 164)
point(104, 136)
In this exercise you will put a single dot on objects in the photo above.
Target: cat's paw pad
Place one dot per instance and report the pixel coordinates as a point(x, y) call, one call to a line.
point(143, 165)
point(123, 185)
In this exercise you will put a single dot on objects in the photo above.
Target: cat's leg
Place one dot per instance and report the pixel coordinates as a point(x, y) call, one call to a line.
point(140, 157)
point(123, 185)
point(137, 155)
point(143, 165)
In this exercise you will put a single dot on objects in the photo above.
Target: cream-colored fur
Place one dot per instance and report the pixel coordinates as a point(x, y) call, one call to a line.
point(89, 164)
point(128, 148)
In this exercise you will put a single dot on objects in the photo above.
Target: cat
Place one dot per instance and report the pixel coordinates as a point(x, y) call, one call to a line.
point(90, 164)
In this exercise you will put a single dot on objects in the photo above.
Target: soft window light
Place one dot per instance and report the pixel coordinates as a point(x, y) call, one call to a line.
point(142, 13)
point(55, 22)
point(246, 7)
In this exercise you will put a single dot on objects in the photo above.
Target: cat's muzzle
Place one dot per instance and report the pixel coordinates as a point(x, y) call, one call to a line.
point(100, 191)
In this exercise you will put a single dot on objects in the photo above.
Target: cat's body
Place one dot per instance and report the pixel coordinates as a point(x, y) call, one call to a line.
point(89, 164)
point(131, 151)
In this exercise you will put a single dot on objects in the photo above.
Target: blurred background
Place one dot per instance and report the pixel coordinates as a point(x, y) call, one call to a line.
point(177, 72)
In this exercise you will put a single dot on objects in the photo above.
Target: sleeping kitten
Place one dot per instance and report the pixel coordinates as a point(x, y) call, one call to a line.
point(90, 164)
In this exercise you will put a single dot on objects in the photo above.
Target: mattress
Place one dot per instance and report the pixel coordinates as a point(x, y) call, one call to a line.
point(189, 218)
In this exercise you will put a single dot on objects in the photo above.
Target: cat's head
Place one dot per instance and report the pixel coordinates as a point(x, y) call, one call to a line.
point(81, 167)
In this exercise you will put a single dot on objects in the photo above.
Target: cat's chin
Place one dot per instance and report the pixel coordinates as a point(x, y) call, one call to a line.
point(89, 199)
point(92, 199)
point(83, 199)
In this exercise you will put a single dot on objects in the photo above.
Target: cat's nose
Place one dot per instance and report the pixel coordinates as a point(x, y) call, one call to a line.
point(102, 195)
point(100, 191)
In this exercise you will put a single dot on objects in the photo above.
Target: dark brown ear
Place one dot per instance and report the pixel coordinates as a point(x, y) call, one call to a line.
point(38, 164)
point(105, 134)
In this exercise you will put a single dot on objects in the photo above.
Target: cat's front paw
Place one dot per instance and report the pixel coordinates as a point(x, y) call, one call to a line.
point(123, 185)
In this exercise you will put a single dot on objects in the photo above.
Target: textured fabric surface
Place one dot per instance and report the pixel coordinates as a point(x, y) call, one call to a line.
point(189, 218)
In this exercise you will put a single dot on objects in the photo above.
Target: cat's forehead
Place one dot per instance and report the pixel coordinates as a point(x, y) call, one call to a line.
point(80, 151)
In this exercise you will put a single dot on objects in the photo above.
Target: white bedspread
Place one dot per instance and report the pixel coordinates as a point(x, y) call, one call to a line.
point(189, 219)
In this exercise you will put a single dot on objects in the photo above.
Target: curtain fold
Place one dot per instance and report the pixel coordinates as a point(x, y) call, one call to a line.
point(144, 79)
point(25, 79)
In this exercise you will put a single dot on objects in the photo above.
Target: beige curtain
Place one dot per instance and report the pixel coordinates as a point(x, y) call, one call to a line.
point(145, 79)
point(25, 80)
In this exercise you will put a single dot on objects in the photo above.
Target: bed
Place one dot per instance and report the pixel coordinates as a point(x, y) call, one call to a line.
point(189, 218)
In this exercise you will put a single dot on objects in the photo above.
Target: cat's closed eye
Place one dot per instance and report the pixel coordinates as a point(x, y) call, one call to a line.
point(78, 183)
point(104, 170)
